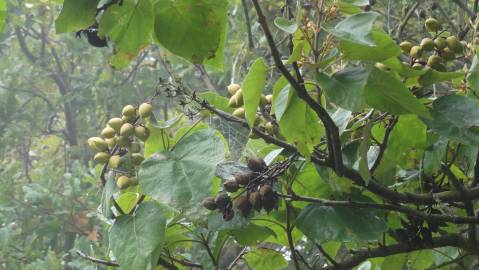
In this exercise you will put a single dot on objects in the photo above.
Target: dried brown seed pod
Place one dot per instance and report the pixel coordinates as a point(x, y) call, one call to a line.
point(244, 178)
point(231, 186)
point(222, 200)
point(266, 190)
point(242, 202)
point(255, 200)
point(268, 202)
point(256, 164)
point(209, 203)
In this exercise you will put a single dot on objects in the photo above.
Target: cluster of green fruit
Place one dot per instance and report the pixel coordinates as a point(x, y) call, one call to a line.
point(120, 143)
point(253, 191)
point(442, 49)
point(236, 101)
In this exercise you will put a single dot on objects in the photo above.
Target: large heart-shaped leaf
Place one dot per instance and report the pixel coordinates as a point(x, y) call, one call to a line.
point(456, 117)
point(136, 240)
point(128, 25)
point(356, 28)
point(384, 48)
point(386, 93)
point(192, 29)
point(76, 15)
point(181, 178)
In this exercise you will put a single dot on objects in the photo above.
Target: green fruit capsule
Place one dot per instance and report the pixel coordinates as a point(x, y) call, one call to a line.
point(262, 101)
point(108, 133)
point(415, 52)
point(240, 112)
point(115, 123)
point(127, 130)
point(232, 102)
point(448, 55)
point(134, 181)
point(101, 157)
point(427, 44)
point(128, 119)
point(145, 110)
point(97, 144)
point(405, 46)
point(137, 159)
point(134, 147)
point(417, 66)
point(239, 98)
point(454, 44)
point(122, 141)
point(269, 99)
point(432, 25)
point(123, 182)
point(233, 88)
point(382, 67)
point(129, 111)
point(434, 62)
point(114, 161)
point(142, 133)
point(440, 43)
point(111, 142)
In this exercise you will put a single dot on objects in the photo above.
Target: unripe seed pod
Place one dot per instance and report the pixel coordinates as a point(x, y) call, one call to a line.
point(127, 130)
point(440, 43)
point(257, 120)
point(415, 52)
point(266, 190)
point(101, 157)
point(454, 44)
point(427, 44)
point(209, 203)
point(434, 61)
point(239, 98)
point(97, 144)
point(114, 161)
point(240, 112)
point(222, 200)
point(382, 67)
point(145, 110)
point(129, 111)
point(233, 88)
point(448, 55)
point(108, 133)
point(115, 123)
point(111, 142)
point(271, 128)
point(127, 119)
point(122, 141)
point(262, 101)
point(243, 178)
point(142, 133)
point(134, 147)
point(255, 200)
point(137, 159)
point(417, 66)
point(269, 99)
point(405, 46)
point(123, 182)
point(256, 164)
point(231, 186)
point(232, 102)
point(432, 25)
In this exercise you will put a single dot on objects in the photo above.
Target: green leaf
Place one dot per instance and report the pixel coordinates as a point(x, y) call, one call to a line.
point(195, 36)
point(297, 52)
point(76, 15)
point(345, 88)
point(107, 194)
point(384, 48)
point(265, 259)
point(386, 93)
point(253, 86)
point(127, 201)
point(251, 234)
point(456, 117)
point(128, 25)
point(220, 102)
point(3, 14)
point(182, 178)
point(136, 240)
point(356, 28)
point(300, 125)
point(403, 69)
point(325, 223)
point(286, 25)
point(432, 76)
point(472, 77)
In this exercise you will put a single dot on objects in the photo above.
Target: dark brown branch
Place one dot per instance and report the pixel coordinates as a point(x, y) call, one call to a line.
point(390, 207)
point(406, 18)
point(332, 132)
point(359, 256)
point(383, 146)
point(325, 254)
point(248, 24)
point(465, 8)
point(289, 231)
point(96, 260)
